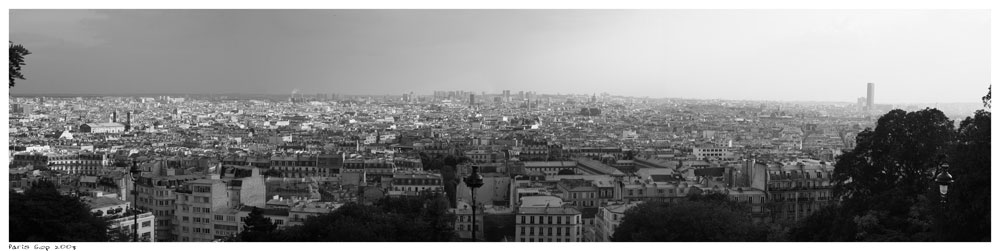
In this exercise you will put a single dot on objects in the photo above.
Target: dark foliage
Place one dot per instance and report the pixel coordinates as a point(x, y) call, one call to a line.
point(901, 153)
point(710, 217)
point(423, 218)
point(16, 60)
point(256, 227)
point(987, 99)
point(966, 216)
point(41, 214)
point(887, 187)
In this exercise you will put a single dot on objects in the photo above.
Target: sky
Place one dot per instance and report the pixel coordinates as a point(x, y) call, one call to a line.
point(912, 56)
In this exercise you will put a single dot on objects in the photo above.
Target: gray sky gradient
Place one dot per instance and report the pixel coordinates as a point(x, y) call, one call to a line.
point(822, 55)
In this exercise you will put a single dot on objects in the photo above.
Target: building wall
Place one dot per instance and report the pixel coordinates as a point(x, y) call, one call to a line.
point(195, 211)
point(548, 228)
point(147, 225)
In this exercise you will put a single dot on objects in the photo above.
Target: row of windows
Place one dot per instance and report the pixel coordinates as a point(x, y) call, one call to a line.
point(549, 239)
point(548, 219)
point(416, 182)
point(229, 218)
point(589, 203)
point(196, 230)
point(184, 208)
point(201, 189)
point(200, 220)
point(292, 163)
point(714, 150)
point(633, 192)
point(163, 212)
point(548, 231)
point(806, 174)
point(415, 189)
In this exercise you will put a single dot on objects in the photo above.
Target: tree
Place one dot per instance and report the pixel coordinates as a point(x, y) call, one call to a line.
point(41, 214)
point(901, 153)
point(16, 60)
point(966, 216)
point(256, 227)
point(986, 99)
point(885, 182)
point(709, 217)
point(421, 218)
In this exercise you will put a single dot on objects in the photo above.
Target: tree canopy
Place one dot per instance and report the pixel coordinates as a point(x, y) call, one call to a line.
point(966, 216)
point(42, 214)
point(421, 218)
point(709, 217)
point(256, 227)
point(16, 60)
point(887, 189)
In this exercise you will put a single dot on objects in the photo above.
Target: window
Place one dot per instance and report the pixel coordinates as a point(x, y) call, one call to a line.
point(185, 219)
point(147, 223)
point(523, 220)
point(279, 222)
point(219, 217)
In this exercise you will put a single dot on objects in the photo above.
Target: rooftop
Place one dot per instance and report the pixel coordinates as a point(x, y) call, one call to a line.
point(547, 210)
point(99, 202)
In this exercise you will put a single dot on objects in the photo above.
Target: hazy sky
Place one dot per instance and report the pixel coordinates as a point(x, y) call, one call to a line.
point(823, 55)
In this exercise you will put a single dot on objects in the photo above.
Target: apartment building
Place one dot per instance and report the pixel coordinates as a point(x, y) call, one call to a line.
point(548, 224)
point(122, 217)
point(198, 201)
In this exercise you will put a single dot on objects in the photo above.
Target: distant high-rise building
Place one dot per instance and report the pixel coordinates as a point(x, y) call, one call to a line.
point(472, 100)
point(871, 96)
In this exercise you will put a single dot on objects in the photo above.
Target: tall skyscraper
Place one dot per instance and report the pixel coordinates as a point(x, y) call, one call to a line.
point(871, 96)
point(472, 100)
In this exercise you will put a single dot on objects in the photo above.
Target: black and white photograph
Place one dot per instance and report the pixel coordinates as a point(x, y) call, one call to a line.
point(654, 125)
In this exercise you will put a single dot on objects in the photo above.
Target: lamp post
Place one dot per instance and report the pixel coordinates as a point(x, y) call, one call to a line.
point(473, 181)
point(944, 179)
point(135, 199)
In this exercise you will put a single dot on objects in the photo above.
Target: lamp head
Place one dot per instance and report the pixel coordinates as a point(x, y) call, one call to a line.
point(944, 179)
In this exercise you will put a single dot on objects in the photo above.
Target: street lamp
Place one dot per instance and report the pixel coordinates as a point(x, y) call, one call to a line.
point(473, 181)
point(944, 179)
point(135, 199)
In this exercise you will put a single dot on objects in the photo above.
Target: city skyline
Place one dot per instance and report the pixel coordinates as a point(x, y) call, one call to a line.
point(687, 54)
